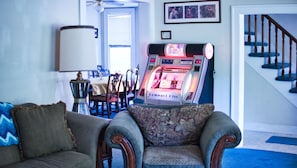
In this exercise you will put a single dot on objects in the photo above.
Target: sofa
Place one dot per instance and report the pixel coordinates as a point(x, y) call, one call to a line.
point(48, 136)
point(170, 136)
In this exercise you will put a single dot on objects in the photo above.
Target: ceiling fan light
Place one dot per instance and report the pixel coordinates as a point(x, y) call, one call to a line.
point(99, 6)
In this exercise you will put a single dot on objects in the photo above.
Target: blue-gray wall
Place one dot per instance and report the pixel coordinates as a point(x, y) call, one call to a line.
point(28, 49)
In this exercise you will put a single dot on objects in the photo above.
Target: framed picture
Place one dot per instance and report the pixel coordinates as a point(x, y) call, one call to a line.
point(165, 34)
point(203, 11)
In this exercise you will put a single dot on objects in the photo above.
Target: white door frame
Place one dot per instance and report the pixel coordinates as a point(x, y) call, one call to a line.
point(237, 60)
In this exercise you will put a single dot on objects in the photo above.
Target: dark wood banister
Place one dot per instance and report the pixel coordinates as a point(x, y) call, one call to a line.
point(292, 39)
point(281, 28)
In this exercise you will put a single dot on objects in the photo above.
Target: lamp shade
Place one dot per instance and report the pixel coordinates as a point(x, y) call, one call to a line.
point(77, 48)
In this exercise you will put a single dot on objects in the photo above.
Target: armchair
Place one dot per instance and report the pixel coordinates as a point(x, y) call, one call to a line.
point(181, 136)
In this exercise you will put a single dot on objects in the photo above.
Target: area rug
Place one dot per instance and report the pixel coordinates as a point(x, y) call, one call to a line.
point(252, 158)
point(282, 140)
point(112, 115)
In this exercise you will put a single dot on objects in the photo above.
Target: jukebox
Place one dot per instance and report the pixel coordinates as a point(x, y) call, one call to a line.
point(178, 74)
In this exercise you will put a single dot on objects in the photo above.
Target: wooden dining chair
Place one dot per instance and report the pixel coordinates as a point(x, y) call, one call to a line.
point(110, 97)
point(130, 87)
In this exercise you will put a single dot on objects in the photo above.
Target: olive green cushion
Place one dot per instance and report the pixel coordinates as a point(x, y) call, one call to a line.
point(166, 125)
point(9, 154)
point(42, 129)
point(64, 159)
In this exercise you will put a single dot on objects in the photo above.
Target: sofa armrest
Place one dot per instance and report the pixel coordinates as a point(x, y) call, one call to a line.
point(123, 133)
point(87, 131)
point(220, 132)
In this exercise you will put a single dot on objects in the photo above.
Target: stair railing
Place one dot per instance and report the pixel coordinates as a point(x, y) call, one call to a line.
point(284, 34)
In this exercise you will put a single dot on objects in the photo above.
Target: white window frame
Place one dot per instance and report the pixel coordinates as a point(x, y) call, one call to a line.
point(105, 45)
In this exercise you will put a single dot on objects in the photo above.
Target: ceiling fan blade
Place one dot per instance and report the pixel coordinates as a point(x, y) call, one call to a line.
point(126, 0)
point(91, 2)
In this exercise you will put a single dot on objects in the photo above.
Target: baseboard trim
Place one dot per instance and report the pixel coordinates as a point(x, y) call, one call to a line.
point(280, 129)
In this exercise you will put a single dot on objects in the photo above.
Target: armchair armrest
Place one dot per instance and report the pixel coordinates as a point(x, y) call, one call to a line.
point(87, 131)
point(123, 133)
point(220, 132)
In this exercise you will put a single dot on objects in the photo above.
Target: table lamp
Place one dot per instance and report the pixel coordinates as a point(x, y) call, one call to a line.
point(77, 54)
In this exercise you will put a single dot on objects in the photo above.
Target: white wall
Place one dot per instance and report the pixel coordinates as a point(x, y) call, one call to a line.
point(266, 110)
point(93, 18)
point(28, 49)
point(146, 32)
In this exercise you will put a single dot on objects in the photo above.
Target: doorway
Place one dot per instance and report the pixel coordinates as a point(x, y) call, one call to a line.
point(119, 39)
point(237, 63)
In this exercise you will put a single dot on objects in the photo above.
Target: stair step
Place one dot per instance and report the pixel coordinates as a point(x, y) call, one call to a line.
point(265, 54)
point(293, 90)
point(286, 77)
point(255, 43)
point(275, 66)
point(252, 33)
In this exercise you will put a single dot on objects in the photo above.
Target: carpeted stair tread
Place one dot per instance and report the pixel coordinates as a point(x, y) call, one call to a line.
point(257, 43)
point(275, 66)
point(293, 90)
point(265, 54)
point(251, 33)
point(286, 77)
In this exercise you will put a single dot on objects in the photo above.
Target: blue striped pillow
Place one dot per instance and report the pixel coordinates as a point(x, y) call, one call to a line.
point(8, 134)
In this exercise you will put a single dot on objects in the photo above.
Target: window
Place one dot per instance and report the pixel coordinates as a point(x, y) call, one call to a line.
point(119, 39)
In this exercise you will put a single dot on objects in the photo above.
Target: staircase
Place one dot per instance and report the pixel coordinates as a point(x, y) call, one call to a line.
point(270, 80)
point(277, 48)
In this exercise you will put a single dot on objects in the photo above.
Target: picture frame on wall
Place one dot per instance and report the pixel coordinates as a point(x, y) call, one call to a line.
point(204, 11)
point(165, 34)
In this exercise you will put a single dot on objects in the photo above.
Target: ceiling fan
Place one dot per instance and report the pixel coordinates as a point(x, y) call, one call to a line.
point(100, 4)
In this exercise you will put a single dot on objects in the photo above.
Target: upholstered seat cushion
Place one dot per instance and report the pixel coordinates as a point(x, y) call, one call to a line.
point(66, 159)
point(187, 156)
point(9, 154)
point(171, 124)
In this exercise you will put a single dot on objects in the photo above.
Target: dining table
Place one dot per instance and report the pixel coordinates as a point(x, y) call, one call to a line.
point(99, 86)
